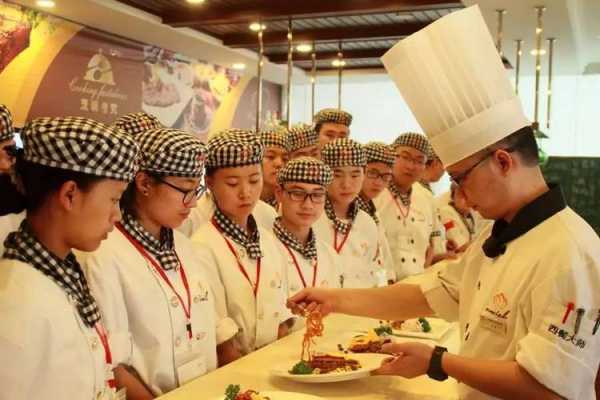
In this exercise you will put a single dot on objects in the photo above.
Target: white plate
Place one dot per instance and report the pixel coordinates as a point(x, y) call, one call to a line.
point(284, 396)
point(439, 327)
point(369, 362)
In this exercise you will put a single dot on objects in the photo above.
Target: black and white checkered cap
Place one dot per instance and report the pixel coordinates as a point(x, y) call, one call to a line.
point(379, 152)
point(302, 136)
point(344, 153)
point(80, 145)
point(7, 129)
point(275, 138)
point(136, 123)
point(234, 148)
point(415, 140)
point(333, 115)
point(171, 152)
point(305, 170)
point(431, 154)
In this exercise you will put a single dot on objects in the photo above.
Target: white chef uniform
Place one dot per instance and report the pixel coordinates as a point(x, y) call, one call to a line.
point(9, 223)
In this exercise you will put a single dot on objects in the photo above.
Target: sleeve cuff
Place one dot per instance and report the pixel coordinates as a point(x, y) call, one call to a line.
point(226, 329)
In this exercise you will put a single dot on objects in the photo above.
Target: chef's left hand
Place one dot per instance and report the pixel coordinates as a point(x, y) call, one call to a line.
point(408, 360)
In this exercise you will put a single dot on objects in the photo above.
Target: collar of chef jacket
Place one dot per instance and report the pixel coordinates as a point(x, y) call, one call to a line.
point(526, 219)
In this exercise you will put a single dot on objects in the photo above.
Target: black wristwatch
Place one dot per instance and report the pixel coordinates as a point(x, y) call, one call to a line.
point(435, 370)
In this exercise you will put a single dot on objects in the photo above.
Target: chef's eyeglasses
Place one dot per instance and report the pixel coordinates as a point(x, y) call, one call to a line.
point(418, 162)
point(460, 178)
point(188, 195)
point(301, 196)
point(374, 174)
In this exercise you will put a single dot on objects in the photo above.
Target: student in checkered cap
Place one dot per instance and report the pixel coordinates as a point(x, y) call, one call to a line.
point(303, 141)
point(138, 122)
point(344, 226)
point(12, 200)
point(145, 271)
point(407, 211)
point(331, 124)
point(73, 171)
point(276, 154)
point(301, 191)
point(378, 174)
point(434, 170)
point(252, 284)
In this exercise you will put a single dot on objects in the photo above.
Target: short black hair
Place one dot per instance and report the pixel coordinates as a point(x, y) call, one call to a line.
point(127, 201)
point(318, 127)
point(522, 142)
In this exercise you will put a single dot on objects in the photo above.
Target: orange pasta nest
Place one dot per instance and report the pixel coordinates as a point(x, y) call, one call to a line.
point(314, 328)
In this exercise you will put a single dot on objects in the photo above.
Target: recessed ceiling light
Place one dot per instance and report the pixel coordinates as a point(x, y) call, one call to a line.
point(45, 3)
point(257, 26)
point(239, 66)
point(195, 1)
point(338, 63)
point(534, 52)
point(304, 48)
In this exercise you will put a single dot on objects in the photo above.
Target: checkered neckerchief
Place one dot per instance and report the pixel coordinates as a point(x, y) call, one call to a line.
point(368, 206)
point(397, 193)
point(23, 246)
point(309, 251)
point(272, 201)
point(163, 250)
point(250, 241)
point(339, 225)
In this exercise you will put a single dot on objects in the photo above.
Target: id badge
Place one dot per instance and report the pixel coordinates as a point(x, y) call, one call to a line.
point(189, 366)
point(492, 325)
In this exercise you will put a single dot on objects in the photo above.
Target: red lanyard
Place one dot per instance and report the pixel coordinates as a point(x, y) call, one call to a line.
point(404, 216)
point(335, 240)
point(186, 310)
point(240, 266)
point(112, 383)
point(315, 266)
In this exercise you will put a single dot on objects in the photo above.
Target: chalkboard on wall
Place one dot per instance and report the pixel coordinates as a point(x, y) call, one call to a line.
point(579, 178)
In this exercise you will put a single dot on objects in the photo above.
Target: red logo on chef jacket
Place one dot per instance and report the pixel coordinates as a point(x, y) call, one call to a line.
point(500, 301)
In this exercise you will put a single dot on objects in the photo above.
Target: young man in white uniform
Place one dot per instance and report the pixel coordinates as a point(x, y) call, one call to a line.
point(303, 141)
point(151, 288)
point(349, 230)
point(526, 291)
point(457, 219)
point(53, 340)
point(331, 124)
point(249, 270)
point(276, 155)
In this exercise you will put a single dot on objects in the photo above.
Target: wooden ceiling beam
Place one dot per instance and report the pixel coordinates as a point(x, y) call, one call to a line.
point(208, 14)
point(271, 38)
point(329, 55)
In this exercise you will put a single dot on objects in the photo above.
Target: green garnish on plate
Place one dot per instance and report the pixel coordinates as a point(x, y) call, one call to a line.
point(232, 391)
point(425, 325)
point(301, 368)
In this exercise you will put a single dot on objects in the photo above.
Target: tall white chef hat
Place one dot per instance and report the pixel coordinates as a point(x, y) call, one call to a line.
point(453, 80)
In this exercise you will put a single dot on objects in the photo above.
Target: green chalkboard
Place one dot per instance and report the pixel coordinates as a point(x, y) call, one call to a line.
point(579, 178)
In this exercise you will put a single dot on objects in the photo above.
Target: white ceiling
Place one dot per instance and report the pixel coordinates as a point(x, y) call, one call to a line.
point(574, 23)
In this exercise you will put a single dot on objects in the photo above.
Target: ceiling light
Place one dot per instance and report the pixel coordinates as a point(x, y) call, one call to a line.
point(304, 48)
point(239, 66)
point(257, 26)
point(338, 63)
point(534, 52)
point(195, 1)
point(45, 3)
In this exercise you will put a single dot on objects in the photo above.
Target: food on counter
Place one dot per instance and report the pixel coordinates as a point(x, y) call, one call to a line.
point(413, 325)
point(372, 342)
point(233, 392)
point(325, 363)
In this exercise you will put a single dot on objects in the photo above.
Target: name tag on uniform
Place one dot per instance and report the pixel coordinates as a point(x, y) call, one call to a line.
point(492, 325)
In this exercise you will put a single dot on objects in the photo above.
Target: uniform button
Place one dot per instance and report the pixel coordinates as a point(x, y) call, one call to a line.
point(174, 301)
point(412, 219)
point(478, 285)
point(273, 284)
point(276, 314)
point(94, 343)
point(403, 259)
point(242, 253)
point(177, 341)
point(196, 298)
point(412, 241)
point(414, 260)
point(467, 336)
point(200, 336)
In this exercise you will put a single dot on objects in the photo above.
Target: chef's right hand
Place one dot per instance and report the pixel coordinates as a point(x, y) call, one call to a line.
point(323, 300)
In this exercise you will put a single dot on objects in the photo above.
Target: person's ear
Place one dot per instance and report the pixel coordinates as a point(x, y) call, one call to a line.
point(68, 195)
point(143, 183)
point(504, 160)
point(278, 193)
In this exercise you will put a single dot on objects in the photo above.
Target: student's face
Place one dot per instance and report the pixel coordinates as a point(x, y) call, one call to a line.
point(275, 158)
point(346, 184)
point(409, 165)
point(435, 170)
point(377, 177)
point(301, 213)
point(309, 151)
point(6, 159)
point(236, 190)
point(92, 213)
point(163, 203)
point(330, 131)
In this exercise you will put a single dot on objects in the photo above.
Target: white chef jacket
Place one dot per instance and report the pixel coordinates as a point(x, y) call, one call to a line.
point(357, 258)
point(438, 233)
point(408, 236)
point(47, 350)
point(9, 223)
point(257, 317)
point(263, 213)
point(512, 307)
point(146, 319)
point(384, 255)
point(455, 226)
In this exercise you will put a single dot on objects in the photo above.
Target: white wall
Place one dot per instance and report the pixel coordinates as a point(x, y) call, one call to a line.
point(381, 114)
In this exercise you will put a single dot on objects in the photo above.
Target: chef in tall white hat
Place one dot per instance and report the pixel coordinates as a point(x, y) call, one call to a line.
point(525, 292)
